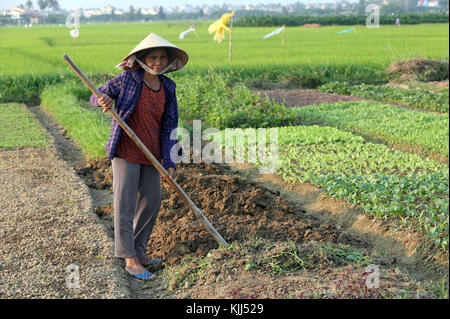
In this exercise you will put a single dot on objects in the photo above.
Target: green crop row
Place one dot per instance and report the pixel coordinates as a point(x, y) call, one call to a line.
point(19, 128)
point(430, 131)
point(86, 125)
point(37, 59)
point(382, 181)
point(331, 56)
point(26, 88)
point(409, 97)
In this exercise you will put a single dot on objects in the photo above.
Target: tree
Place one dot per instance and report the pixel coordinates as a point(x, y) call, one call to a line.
point(161, 15)
point(42, 4)
point(53, 4)
point(444, 4)
point(361, 7)
point(131, 14)
point(138, 16)
point(29, 4)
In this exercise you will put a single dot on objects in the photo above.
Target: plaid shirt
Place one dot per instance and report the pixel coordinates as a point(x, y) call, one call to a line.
point(125, 89)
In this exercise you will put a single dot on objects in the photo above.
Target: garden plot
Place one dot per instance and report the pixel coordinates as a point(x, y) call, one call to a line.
point(385, 182)
point(275, 250)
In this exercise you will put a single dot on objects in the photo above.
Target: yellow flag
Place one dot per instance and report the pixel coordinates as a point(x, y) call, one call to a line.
point(220, 25)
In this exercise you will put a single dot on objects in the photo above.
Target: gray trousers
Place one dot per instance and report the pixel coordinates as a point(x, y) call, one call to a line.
point(137, 198)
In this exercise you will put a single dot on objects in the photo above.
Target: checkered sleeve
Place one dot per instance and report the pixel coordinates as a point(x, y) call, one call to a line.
point(111, 88)
point(169, 124)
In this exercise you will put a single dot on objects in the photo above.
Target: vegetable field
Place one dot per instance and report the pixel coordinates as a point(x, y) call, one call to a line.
point(385, 156)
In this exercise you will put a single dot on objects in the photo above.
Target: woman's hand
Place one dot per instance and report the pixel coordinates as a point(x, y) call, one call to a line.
point(106, 102)
point(171, 172)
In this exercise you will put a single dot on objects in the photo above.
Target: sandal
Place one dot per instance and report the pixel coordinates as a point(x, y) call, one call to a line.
point(146, 275)
point(153, 262)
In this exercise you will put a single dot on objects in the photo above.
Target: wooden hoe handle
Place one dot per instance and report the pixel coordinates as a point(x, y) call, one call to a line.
point(150, 156)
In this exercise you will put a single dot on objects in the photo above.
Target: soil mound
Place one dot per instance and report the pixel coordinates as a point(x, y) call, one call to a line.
point(419, 69)
point(303, 97)
point(97, 173)
point(312, 25)
point(237, 208)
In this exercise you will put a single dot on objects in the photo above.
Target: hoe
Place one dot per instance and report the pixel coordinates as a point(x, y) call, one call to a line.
point(151, 158)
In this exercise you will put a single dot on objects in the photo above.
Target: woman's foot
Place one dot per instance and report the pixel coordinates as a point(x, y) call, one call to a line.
point(133, 266)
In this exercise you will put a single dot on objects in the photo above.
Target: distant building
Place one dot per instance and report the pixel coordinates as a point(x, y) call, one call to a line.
point(433, 3)
point(107, 10)
point(19, 13)
point(428, 3)
point(152, 12)
point(91, 12)
point(206, 10)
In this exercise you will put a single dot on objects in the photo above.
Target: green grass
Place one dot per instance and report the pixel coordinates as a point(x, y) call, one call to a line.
point(85, 124)
point(19, 128)
point(101, 46)
point(288, 257)
point(311, 57)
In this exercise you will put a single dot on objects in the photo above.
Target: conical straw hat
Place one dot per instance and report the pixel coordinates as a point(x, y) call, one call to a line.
point(155, 41)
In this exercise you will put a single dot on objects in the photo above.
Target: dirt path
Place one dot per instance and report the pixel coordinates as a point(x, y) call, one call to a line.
point(51, 243)
point(99, 196)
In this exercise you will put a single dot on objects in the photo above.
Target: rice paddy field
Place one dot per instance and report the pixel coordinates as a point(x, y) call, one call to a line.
point(385, 156)
point(100, 47)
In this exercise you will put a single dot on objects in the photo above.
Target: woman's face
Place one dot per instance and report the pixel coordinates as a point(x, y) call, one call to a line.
point(157, 60)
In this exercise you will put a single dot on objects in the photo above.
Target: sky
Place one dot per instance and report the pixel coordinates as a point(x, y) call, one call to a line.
point(125, 4)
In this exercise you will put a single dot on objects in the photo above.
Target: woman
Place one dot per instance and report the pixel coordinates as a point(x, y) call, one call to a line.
point(146, 100)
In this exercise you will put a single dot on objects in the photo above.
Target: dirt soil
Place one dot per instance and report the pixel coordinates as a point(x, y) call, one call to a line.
point(304, 97)
point(238, 209)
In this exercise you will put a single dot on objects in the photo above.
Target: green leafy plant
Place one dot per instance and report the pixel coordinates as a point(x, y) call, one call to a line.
point(421, 99)
point(222, 105)
point(429, 131)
